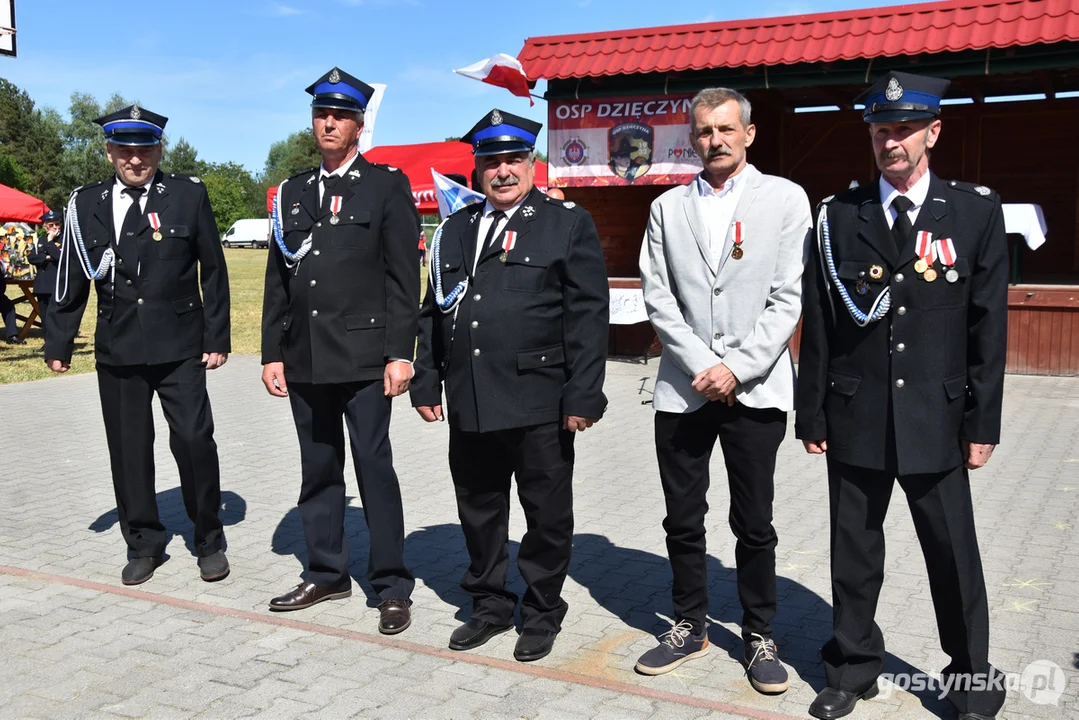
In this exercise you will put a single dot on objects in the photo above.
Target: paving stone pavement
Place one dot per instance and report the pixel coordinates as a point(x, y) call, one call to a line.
point(77, 644)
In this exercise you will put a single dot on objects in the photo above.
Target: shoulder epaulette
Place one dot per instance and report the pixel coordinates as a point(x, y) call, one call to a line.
point(181, 176)
point(973, 188)
point(567, 204)
point(87, 186)
point(384, 166)
point(302, 172)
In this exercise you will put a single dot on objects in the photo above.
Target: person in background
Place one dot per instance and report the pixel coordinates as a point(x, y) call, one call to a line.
point(7, 310)
point(46, 256)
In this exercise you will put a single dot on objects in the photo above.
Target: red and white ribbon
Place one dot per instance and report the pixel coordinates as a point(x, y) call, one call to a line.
point(925, 246)
point(945, 251)
point(335, 204)
point(738, 236)
point(155, 220)
point(510, 240)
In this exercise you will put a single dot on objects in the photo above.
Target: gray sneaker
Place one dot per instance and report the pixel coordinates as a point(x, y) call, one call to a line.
point(675, 647)
point(766, 673)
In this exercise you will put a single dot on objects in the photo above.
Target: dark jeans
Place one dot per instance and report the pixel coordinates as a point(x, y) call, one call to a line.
point(126, 395)
point(317, 411)
point(541, 459)
point(749, 438)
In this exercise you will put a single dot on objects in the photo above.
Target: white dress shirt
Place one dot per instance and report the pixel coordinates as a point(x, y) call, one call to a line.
point(916, 195)
point(323, 173)
point(485, 227)
point(121, 202)
point(717, 207)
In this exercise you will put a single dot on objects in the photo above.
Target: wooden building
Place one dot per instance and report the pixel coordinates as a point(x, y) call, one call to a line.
point(1010, 123)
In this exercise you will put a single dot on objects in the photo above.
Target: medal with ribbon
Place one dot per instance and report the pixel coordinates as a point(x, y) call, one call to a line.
point(926, 250)
point(945, 250)
point(507, 244)
point(335, 207)
point(737, 251)
point(155, 223)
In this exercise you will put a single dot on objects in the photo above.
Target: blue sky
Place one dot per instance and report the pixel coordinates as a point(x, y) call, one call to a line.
point(230, 74)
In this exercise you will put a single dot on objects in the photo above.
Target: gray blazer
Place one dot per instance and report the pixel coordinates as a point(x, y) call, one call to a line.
point(743, 315)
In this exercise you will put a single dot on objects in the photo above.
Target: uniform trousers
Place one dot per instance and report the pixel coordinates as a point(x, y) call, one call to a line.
point(43, 300)
point(126, 394)
point(540, 457)
point(940, 505)
point(7, 311)
point(749, 438)
point(317, 410)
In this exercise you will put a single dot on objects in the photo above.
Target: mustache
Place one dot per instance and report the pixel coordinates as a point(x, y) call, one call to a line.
point(897, 154)
point(507, 182)
point(715, 152)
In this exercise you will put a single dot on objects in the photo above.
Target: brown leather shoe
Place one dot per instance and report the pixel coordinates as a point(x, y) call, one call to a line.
point(305, 595)
point(394, 616)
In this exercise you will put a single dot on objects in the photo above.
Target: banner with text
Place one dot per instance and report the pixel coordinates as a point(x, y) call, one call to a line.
point(620, 141)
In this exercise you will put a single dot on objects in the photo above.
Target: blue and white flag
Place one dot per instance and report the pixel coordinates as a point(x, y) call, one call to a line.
point(453, 196)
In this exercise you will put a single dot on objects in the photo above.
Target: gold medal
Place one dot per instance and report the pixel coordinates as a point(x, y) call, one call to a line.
point(930, 275)
point(157, 236)
point(920, 265)
point(876, 272)
point(502, 256)
point(737, 252)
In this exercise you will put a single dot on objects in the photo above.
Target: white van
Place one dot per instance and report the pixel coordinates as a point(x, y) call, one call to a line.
point(250, 233)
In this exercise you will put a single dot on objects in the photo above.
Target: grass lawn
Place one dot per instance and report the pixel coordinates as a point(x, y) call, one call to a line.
point(247, 270)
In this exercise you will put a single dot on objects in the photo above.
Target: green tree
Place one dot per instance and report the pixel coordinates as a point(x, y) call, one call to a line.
point(11, 173)
point(234, 194)
point(183, 158)
point(30, 139)
point(287, 157)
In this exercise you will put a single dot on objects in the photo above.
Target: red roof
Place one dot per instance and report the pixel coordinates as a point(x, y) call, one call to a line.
point(824, 37)
point(16, 206)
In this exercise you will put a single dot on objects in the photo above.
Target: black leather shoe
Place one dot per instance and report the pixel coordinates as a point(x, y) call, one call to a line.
point(394, 616)
point(475, 633)
point(16, 340)
point(305, 595)
point(832, 703)
point(533, 645)
point(975, 716)
point(139, 570)
point(214, 567)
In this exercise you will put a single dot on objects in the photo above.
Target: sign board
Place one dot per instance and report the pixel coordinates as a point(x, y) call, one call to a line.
point(7, 27)
point(631, 140)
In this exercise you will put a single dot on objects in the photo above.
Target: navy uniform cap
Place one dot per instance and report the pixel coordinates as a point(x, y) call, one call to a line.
point(338, 89)
point(501, 132)
point(51, 216)
point(133, 126)
point(900, 96)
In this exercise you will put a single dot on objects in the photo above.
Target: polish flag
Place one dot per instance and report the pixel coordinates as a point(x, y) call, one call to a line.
point(503, 71)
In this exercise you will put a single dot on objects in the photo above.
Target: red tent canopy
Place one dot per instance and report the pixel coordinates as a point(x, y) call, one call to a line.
point(17, 206)
point(416, 162)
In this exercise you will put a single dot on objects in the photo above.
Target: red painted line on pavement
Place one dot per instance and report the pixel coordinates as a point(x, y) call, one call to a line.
point(384, 641)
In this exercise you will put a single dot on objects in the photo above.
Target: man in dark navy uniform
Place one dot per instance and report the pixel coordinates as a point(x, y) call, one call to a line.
point(149, 242)
point(515, 325)
point(45, 256)
point(338, 335)
point(901, 376)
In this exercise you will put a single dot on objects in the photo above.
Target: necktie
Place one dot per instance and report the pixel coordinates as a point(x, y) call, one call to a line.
point(496, 218)
point(134, 213)
point(328, 184)
point(901, 228)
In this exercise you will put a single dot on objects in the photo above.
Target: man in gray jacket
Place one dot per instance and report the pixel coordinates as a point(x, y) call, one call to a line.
point(721, 268)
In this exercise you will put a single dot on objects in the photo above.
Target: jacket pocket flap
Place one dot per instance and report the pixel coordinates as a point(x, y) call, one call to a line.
point(286, 323)
point(962, 267)
point(174, 231)
point(852, 270)
point(526, 259)
point(187, 304)
point(97, 240)
point(361, 321)
point(843, 384)
point(956, 386)
point(542, 357)
point(300, 224)
point(358, 217)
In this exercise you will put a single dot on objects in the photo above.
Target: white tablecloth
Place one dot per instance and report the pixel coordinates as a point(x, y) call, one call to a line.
point(1028, 220)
